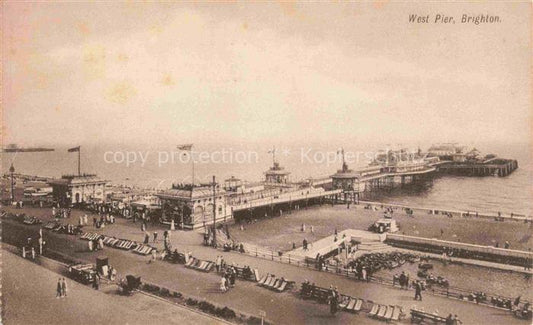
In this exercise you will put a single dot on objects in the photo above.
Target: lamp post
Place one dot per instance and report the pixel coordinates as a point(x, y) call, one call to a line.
point(214, 213)
point(12, 171)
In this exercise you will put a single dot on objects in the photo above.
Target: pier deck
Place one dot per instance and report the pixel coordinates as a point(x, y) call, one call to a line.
point(492, 167)
point(294, 196)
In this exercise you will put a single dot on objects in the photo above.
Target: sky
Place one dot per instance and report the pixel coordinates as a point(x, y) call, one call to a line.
point(132, 72)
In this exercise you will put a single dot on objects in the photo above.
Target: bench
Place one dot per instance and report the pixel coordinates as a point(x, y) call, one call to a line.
point(309, 291)
point(350, 304)
point(175, 257)
point(275, 284)
point(51, 225)
point(269, 281)
point(381, 312)
point(374, 310)
point(204, 266)
point(86, 236)
point(141, 249)
point(247, 274)
point(263, 280)
point(386, 312)
point(418, 316)
point(119, 243)
point(192, 262)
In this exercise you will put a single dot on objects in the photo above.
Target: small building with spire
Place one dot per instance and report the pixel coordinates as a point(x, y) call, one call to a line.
point(345, 178)
point(277, 176)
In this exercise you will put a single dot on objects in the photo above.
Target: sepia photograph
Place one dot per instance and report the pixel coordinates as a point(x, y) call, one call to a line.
point(266, 162)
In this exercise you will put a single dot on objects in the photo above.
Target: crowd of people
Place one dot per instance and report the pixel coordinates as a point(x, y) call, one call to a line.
point(374, 262)
point(228, 278)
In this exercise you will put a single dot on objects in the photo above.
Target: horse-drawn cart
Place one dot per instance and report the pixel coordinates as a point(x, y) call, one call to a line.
point(84, 273)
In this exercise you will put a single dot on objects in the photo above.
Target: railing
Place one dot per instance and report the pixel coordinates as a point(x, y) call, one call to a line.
point(274, 256)
point(460, 213)
point(449, 292)
point(432, 242)
point(282, 199)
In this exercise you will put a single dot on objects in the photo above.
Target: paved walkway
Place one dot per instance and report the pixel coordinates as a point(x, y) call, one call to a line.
point(29, 298)
point(248, 297)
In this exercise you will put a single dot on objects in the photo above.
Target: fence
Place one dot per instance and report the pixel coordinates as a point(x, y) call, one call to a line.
point(449, 292)
point(459, 213)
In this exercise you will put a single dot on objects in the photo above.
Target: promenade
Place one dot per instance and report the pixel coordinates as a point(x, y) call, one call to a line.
point(29, 298)
point(278, 233)
point(281, 308)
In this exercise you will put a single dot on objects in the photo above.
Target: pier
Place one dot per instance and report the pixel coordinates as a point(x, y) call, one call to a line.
point(493, 167)
point(450, 158)
point(193, 206)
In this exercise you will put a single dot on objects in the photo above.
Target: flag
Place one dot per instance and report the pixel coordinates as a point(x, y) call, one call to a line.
point(75, 149)
point(185, 147)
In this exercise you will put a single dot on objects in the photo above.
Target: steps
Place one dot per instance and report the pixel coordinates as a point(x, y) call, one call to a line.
point(374, 247)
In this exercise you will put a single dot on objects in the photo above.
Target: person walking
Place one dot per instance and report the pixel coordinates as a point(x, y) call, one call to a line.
point(217, 264)
point(449, 319)
point(41, 243)
point(333, 303)
point(418, 291)
point(64, 288)
point(96, 282)
point(58, 289)
point(223, 282)
point(155, 236)
point(146, 238)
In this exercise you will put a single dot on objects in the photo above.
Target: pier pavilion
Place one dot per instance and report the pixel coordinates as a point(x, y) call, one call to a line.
point(349, 181)
point(275, 195)
point(76, 189)
point(388, 169)
point(192, 206)
point(277, 176)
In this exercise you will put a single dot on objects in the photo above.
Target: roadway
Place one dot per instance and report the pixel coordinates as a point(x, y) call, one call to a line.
point(29, 297)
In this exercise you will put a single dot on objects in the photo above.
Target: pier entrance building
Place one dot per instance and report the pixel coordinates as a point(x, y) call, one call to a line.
point(76, 189)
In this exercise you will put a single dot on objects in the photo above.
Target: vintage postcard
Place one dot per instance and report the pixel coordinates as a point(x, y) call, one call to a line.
point(266, 162)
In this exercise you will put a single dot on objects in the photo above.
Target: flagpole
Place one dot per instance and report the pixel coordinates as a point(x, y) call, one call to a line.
point(79, 156)
point(192, 181)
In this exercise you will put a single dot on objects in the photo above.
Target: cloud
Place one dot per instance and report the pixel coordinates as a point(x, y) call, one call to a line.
point(196, 72)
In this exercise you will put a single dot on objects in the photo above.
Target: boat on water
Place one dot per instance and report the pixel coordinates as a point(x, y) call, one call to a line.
point(14, 148)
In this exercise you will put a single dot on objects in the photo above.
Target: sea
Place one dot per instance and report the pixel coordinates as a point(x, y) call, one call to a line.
point(159, 166)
